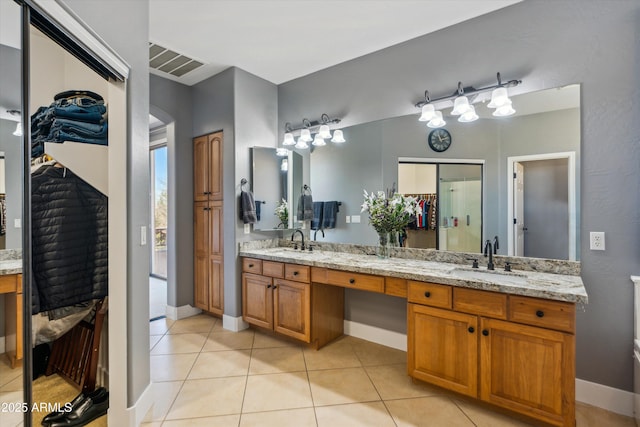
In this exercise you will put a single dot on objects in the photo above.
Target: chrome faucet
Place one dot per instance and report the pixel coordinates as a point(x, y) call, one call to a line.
point(489, 250)
point(301, 235)
point(316, 232)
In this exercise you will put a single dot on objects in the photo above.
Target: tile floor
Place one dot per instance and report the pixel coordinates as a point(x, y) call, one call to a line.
point(204, 375)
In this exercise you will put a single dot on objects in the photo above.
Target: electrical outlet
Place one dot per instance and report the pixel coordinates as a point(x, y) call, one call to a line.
point(355, 219)
point(348, 219)
point(247, 228)
point(596, 240)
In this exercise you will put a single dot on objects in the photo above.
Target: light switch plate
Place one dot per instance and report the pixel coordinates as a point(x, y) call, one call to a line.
point(355, 218)
point(247, 228)
point(143, 235)
point(348, 219)
point(17, 223)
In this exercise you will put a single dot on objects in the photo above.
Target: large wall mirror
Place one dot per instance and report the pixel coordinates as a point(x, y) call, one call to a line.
point(542, 139)
point(276, 179)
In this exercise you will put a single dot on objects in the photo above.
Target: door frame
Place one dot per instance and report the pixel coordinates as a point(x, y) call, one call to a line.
point(571, 183)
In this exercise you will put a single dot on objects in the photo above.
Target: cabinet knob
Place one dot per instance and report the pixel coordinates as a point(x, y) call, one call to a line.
point(352, 281)
point(540, 313)
point(427, 294)
point(485, 332)
point(268, 286)
point(274, 286)
point(295, 273)
point(250, 265)
point(471, 329)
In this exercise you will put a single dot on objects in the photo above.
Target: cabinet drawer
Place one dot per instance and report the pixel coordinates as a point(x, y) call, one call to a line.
point(484, 303)
point(365, 282)
point(299, 273)
point(430, 294)
point(252, 265)
point(319, 275)
point(539, 312)
point(9, 283)
point(273, 269)
point(395, 286)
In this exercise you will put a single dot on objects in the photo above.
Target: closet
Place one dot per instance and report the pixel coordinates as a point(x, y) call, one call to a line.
point(207, 224)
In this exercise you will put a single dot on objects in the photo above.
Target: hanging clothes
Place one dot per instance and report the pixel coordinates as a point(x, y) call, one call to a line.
point(69, 227)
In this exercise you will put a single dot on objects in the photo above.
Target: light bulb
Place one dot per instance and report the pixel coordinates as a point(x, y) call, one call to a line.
point(337, 136)
point(504, 111)
point(324, 132)
point(301, 144)
point(318, 141)
point(499, 98)
point(428, 111)
point(282, 152)
point(437, 121)
point(305, 135)
point(469, 116)
point(460, 106)
point(288, 139)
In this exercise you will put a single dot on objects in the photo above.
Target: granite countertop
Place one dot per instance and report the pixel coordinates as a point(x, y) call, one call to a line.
point(560, 287)
point(10, 266)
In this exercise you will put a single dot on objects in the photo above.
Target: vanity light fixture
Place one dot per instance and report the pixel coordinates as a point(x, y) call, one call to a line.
point(463, 99)
point(321, 128)
point(282, 152)
point(18, 131)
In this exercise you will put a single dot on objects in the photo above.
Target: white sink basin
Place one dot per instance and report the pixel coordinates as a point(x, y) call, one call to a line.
point(491, 276)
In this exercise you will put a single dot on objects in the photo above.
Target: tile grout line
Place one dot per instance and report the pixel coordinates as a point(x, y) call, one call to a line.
point(313, 403)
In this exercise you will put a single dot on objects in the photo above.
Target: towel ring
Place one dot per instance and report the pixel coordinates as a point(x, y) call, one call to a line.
point(306, 188)
point(243, 182)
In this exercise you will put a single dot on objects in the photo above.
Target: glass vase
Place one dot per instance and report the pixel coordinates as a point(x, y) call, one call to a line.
point(383, 249)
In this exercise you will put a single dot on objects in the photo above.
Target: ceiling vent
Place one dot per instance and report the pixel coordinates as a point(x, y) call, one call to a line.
point(170, 62)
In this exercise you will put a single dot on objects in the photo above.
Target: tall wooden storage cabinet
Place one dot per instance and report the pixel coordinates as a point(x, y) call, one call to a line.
point(207, 223)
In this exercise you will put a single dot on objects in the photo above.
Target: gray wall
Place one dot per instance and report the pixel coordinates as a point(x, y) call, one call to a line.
point(128, 34)
point(547, 45)
point(10, 144)
point(172, 103)
point(10, 77)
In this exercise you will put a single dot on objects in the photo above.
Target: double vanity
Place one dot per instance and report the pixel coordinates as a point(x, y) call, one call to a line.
point(504, 337)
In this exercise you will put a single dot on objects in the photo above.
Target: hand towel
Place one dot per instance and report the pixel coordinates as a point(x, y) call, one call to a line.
point(258, 203)
point(247, 208)
point(330, 214)
point(305, 207)
point(316, 222)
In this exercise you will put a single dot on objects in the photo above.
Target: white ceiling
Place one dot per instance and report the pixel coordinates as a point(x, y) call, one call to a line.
point(286, 39)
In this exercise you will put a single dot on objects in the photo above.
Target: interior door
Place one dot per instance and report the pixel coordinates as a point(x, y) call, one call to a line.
point(518, 208)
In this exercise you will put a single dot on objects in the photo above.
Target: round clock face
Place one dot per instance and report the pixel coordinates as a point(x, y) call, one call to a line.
point(439, 140)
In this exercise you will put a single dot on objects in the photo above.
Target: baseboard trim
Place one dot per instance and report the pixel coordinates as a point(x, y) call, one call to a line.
point(182, 312)
point(391, 339)
point(235, 324)
point(601, 396)
point(605, 397)
point(139, 410)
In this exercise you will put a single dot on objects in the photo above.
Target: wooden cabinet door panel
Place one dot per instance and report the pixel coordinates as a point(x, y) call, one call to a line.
point(215, 166)
point(200, 168)
point(292, 309)
point(201, 225)
point(216, 227)
point(443, 348)
point(257, 300)
point(201, 279)
point(529, 370)
point(216, 286)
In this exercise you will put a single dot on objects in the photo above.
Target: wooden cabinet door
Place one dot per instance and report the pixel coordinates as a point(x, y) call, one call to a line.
point(292, 309)
point(257, 300)
point(200, 168)
point(528, 370)
point(215, 166)
point(201, 234)
point(216, 272)
point(443, 348)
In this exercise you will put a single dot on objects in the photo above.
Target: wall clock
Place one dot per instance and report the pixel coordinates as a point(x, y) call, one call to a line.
point(439, 140)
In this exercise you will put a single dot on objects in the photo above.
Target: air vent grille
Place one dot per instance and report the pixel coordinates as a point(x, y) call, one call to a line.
point(168, 61)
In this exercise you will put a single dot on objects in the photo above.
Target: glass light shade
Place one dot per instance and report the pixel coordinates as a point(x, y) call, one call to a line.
point(428, 111)
point(504, 111)
point(284, 166)
point(499, 97)
point(469, 116)
point(282, 152)
point(324, 132)
point(318, 141)
point(301, 144)
point(288, 139)
point(305, 135)
point(437, 121)
point(460, 106)
point(337, 136)
point(18, 131)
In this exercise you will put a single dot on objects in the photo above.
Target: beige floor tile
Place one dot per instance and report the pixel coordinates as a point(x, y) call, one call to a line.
point(160, 326)
point(11, 416)
point(371, 354)
point(179, 344)
point(163, 396)
point(171, 367)
point(277, 391)
point(274, 360)
point(354, 415)
point(217, 364)
point(427, 411)
point(153, 340)
point(208, 398)
point(590, 416)
point(299, 417)
point(483, 416)
point(218, 341)
point(338, 386)
point(152, 424)
point(8, 374)
point(14, 385)
point(221, 421)
point(339, 354)
point(264, 340)
point(201, 323)
point(393, 382)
